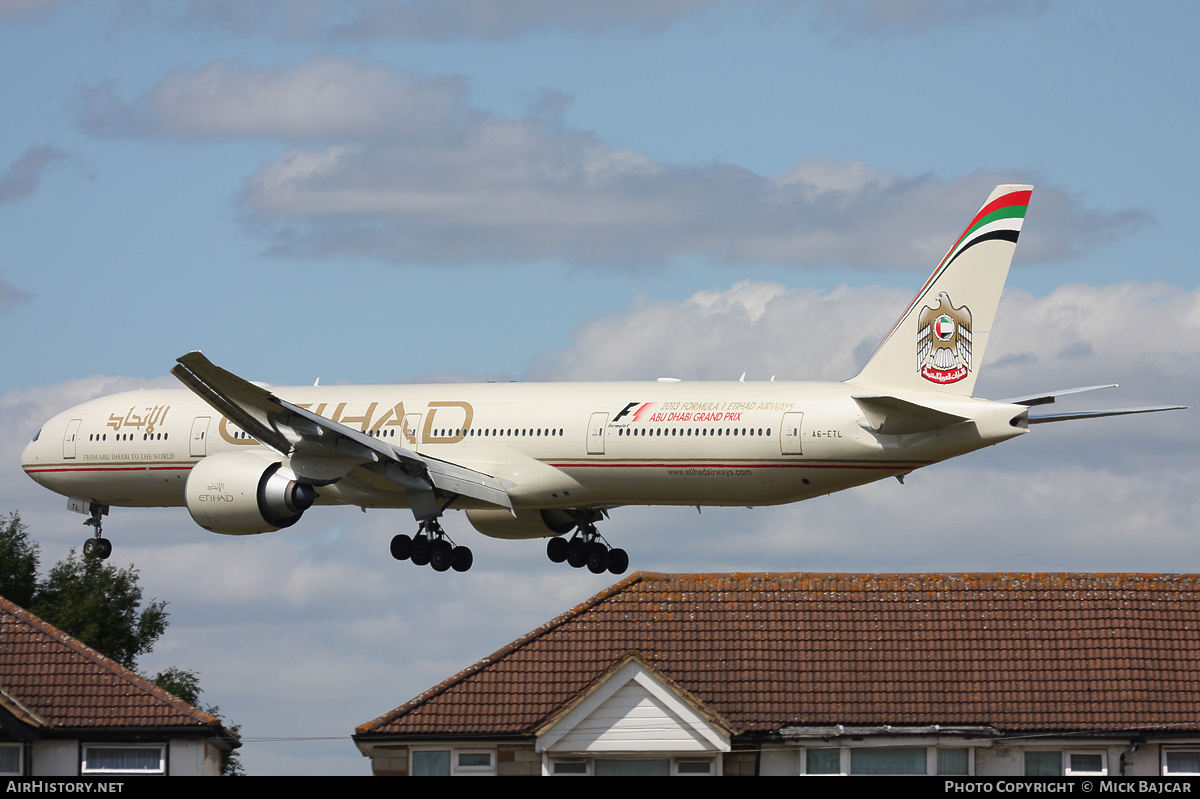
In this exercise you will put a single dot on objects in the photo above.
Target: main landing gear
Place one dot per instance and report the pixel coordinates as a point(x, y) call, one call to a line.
point(433, 547)
point(588, 548)
point(97, 546)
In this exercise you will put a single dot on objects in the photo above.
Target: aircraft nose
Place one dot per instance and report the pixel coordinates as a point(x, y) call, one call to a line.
point(29, 454)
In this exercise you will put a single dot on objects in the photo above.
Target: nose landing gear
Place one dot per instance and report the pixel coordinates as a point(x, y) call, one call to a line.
point(97, 546)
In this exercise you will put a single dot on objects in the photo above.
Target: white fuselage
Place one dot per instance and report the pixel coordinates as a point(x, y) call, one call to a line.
point(553, 445)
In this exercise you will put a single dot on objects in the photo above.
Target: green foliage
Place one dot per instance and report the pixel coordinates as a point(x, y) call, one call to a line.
point(99, 605)
point(180, 682)
point(18, 561)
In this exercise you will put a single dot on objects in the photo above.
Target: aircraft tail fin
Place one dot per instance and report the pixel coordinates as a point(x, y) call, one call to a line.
point(938, 345)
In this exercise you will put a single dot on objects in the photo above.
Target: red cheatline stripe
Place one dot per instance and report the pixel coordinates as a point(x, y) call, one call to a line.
point(728, 466)
point(108, 469)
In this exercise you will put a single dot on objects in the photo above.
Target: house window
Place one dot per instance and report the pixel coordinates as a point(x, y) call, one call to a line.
point(1180, 762)
point(693, 768)
point(452, 762)
point(823, 761)
point(1070, 764)
point(930, 760)
point(124, 760)
point(1086, 764)
point(888, 760)
point(1043, 764)
point(570, 767)
point(10, 760)
point(634, 767)
point(953, 760)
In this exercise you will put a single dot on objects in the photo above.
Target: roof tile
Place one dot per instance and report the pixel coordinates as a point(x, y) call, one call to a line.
point(49, 679)
point(1017, 651)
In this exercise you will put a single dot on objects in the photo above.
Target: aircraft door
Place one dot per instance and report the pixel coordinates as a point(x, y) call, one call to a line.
point(412, 427)
point(70, 437)
point(789, 434)
point(199, 448)
point(595, 439)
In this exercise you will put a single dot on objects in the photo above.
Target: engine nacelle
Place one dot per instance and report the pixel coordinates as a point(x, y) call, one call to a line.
point(242, 493)
point(529, 523)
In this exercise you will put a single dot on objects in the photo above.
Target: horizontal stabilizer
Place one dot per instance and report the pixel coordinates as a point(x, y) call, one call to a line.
point(892, 416)
point(1048, 397)
point(1066, 417)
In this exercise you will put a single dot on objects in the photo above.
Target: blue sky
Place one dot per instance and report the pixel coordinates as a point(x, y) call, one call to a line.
point(385, 191)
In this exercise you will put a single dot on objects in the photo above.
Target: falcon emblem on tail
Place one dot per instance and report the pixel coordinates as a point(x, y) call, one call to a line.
point(944, 341)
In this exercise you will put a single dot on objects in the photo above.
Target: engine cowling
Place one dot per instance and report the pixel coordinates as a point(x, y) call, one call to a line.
point(529, 523)
point(242, 493)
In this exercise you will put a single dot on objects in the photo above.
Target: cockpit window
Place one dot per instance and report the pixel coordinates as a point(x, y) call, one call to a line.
point(38, 433)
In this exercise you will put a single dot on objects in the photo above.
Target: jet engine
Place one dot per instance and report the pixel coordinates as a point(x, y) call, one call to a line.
point(528, 523)
point(242, 493)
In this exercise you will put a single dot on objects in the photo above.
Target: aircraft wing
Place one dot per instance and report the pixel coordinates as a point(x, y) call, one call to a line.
point(322, 450)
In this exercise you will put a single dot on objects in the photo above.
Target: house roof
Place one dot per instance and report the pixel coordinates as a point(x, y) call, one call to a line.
point(1018, 652)
point(51, 681)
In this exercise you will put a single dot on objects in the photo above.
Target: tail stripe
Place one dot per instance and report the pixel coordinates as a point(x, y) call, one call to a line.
point(1006, 213)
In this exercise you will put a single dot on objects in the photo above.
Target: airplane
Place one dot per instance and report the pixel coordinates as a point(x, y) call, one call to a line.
point(550, 460)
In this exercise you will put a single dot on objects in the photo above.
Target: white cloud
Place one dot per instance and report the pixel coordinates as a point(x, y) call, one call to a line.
point(398, 165)
point(914, 17)
point(17, 9)
point(1076, 333)
point(346, 21)
point(513, 190)
point(23, 175)
point(321, 98)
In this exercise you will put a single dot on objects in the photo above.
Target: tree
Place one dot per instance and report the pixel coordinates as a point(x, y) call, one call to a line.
point(18, 561)
point(180, 682)
point(99, 605)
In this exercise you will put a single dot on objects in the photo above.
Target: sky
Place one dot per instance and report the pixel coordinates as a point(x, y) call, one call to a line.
point(389, 191)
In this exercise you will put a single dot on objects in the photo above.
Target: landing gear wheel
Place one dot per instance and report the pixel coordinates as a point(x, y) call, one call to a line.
point(577, 553)
point(402, 547)
point(97, 546)
point(618, 561)
point(441, 554)
point(461, 559)
point(421, 550)
point(597, 558)
point(556, 549)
